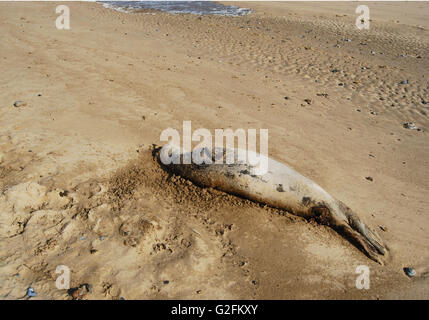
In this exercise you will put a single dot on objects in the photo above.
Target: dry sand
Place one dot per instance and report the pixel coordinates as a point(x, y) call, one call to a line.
point(79, 186)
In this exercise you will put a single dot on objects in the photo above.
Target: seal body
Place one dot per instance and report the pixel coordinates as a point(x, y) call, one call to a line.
point(278, 186)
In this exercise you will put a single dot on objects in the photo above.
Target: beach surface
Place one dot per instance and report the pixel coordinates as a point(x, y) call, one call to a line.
point(79, 186)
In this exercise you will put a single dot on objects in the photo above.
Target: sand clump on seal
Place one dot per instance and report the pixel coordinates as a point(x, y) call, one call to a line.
point(280, 187)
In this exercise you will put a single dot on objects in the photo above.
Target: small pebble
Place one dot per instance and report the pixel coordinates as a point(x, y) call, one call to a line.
point(323, 94)
point(409, 272)
point(31, 292)
point(19, 103)
point(88, 287)
point(410, 125)
point(63, 193)
point(404, 82)
point(369, 178)
point(80, 292)
point(74, 293)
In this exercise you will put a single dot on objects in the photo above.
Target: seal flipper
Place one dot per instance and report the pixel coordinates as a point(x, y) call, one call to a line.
point(363, 235)
point(348, 224)
point(363, 242)
point(367, 233)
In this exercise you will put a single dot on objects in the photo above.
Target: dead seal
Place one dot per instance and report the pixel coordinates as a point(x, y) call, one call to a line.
point(280, 187)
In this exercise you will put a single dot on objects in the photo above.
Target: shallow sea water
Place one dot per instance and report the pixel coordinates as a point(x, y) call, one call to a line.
point(192, 7)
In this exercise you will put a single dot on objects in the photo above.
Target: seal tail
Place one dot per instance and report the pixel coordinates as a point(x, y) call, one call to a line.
point(366, 238)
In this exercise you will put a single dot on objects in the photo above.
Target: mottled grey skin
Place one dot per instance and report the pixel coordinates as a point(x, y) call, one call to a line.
point(284, 188)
